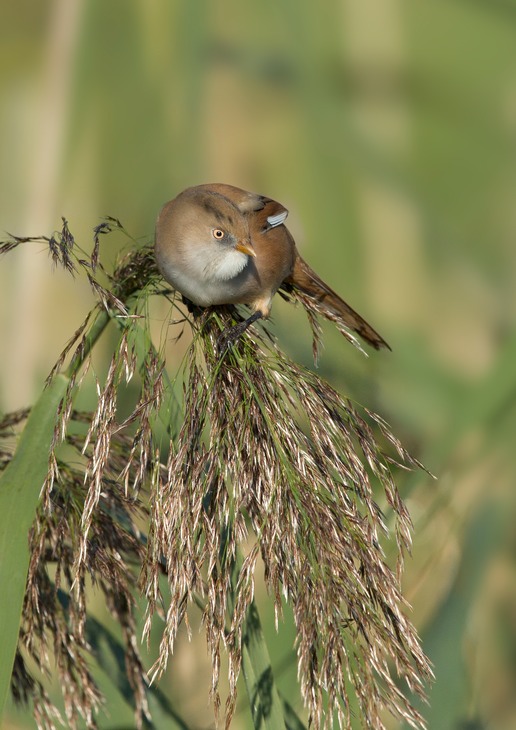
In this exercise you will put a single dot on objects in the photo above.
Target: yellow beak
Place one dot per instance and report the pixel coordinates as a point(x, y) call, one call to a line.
point(245, 247)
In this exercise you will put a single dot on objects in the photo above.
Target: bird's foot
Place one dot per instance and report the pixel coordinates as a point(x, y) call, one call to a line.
point(231, 335)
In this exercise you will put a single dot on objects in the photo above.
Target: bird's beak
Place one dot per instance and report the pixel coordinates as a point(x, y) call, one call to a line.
point(245, 247)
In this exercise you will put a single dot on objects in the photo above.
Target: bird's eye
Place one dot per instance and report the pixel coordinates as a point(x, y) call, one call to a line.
point(218, 234)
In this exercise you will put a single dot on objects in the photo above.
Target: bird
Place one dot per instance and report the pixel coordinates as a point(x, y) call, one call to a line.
point(217, 244)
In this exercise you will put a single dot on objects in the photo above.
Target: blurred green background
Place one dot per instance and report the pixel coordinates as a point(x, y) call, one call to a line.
point(388, 129)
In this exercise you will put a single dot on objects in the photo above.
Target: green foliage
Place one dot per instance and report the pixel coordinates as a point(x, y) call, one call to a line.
point(20, 488)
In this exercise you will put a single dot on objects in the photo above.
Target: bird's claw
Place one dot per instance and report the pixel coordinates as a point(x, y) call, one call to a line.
point(229, 337)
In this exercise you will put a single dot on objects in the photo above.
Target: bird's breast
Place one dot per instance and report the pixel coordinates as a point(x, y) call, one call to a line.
point(207, 280)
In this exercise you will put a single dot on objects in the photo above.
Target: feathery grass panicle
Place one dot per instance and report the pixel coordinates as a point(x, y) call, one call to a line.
point(54, 630)
point(268, 448)
point(262, 457)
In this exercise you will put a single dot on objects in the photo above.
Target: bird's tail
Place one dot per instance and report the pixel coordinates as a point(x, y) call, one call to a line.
point(330, 305)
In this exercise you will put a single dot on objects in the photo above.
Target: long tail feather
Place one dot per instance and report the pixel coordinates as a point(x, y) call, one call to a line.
point(330, 304)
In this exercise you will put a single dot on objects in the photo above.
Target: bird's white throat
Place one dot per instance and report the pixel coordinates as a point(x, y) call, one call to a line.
point(205, 276)
point(226, 265)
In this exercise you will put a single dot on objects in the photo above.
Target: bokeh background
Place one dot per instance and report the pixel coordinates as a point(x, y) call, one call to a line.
point(388, 129)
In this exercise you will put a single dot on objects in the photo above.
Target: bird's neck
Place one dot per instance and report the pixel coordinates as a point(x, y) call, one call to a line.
point(223, 265)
